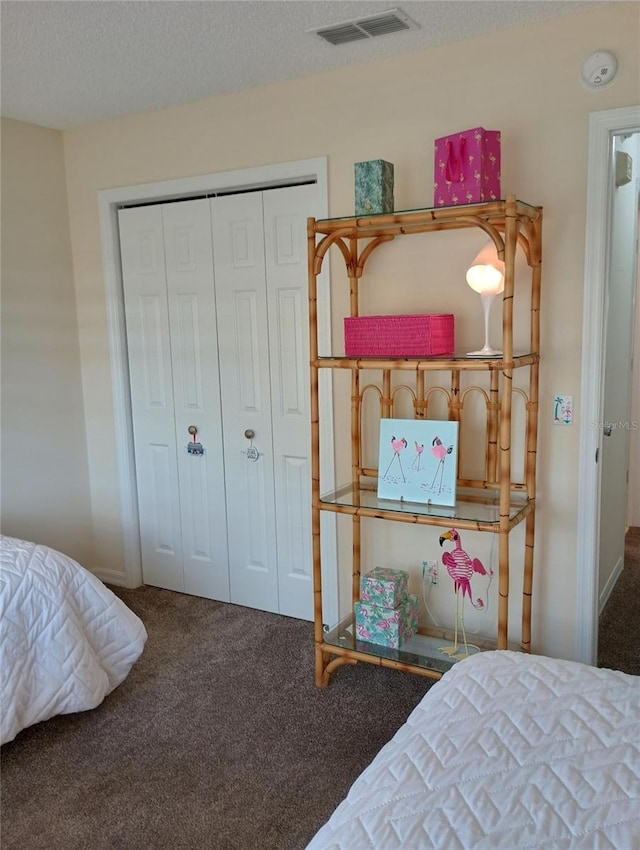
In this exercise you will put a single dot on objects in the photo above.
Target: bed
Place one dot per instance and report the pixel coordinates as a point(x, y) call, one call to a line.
point(508, 751)
point(66, 640)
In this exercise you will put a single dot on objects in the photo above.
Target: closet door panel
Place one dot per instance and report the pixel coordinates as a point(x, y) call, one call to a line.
point(285, 220)
point(150, 374)
point(238, 240)
point(196, 381)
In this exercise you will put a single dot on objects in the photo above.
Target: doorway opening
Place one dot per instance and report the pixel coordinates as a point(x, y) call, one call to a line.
point(603, 128)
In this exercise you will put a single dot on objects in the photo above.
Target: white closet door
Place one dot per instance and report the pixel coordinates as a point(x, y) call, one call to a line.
point(285, 222)
point(196, 389)
point(146, 311)
point(238, 250)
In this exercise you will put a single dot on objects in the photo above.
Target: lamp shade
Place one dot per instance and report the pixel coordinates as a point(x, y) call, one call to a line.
point(486, 273)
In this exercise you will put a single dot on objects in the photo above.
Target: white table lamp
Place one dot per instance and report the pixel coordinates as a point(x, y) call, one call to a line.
point(486, 276)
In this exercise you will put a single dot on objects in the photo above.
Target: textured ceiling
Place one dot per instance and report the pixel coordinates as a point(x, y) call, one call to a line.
point(70, 62)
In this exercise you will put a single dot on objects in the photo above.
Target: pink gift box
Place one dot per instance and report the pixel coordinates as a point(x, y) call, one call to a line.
point(467, 168)
point(399, 336)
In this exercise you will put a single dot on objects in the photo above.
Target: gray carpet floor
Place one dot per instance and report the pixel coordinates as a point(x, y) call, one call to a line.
point(619, 627)
point(217, 740)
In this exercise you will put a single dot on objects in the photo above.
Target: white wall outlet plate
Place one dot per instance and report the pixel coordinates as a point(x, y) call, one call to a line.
point(563, 410)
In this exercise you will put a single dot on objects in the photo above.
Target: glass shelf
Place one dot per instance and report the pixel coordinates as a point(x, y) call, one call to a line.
point(442, 362)
point(462, 208)
point(472, 504)
point(422, 651)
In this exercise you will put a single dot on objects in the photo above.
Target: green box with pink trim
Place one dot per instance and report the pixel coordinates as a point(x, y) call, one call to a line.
point(384, 587)
point(387, 626)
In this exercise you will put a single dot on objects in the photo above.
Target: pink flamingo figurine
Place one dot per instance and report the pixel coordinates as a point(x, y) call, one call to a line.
point(461, 568)
point(440, 452)
point(397, 446)
point(416, 461)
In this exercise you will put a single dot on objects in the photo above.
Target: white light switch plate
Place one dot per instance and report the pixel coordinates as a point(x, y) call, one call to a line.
point(563, 410)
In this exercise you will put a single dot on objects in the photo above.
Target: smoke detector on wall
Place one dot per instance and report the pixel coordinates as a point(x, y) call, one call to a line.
point(599, 70)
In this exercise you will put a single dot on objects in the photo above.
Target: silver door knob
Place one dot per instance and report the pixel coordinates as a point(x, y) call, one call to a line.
point(249, 434)
point(607, 430)
point(192, 430)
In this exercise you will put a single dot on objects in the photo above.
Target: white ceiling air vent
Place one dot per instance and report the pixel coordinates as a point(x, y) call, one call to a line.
point(383, 23)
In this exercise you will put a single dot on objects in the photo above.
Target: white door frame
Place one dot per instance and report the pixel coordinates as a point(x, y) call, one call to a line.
point(602, 126)
point(109, 201)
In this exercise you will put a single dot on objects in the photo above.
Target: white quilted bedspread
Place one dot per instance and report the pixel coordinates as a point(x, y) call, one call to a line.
point(506, 751)
point(66, 640)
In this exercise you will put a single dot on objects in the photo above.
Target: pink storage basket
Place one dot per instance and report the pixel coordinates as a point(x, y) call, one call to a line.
point(399, 336)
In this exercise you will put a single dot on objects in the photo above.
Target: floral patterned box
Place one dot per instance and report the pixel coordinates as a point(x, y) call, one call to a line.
point(373, 187)
point(387, 626)
point(384, 587)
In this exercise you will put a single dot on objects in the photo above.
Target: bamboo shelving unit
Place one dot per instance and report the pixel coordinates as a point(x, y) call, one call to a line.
point(494, 504)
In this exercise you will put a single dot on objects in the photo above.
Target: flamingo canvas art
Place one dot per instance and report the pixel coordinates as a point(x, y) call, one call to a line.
point(418, 460)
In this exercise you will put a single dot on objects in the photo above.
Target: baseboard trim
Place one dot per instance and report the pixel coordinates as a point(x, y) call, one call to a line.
point(611, 583)
point(114, 577)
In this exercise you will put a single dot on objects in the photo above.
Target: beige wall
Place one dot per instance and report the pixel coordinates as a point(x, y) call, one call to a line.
point(45, 483)
point(525, 83)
